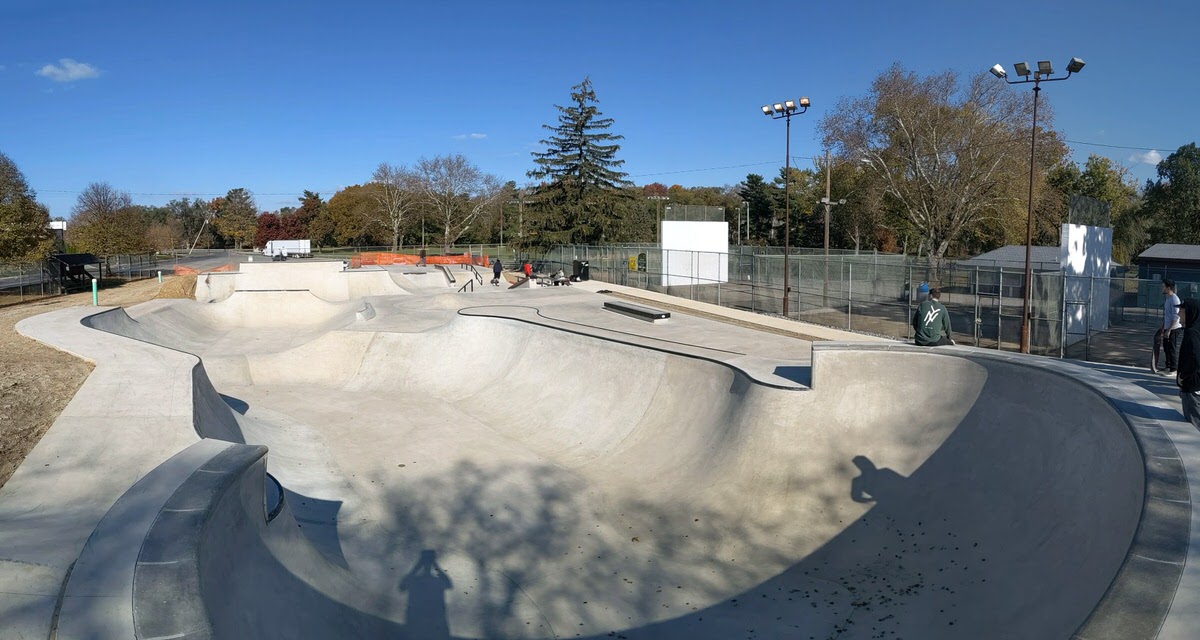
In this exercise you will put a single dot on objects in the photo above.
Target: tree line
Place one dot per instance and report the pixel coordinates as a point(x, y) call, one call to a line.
point(933, 165)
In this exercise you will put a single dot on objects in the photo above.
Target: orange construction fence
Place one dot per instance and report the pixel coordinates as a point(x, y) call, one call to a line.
point(181, 270)
point(385, 259)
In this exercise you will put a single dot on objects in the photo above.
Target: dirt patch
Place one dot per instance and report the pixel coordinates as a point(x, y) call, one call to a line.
point(37, 381)
point(179, 287)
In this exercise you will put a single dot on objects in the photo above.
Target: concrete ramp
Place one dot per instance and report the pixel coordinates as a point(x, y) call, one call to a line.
point(492, 477)
point(1002, 502)
point(327, 280)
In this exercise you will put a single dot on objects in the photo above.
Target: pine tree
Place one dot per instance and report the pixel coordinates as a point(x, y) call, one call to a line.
point(581, 192)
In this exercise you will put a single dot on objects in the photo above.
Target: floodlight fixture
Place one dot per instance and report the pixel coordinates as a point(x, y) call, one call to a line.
point(804, 100)
point(1044, 72)
point(784, 111)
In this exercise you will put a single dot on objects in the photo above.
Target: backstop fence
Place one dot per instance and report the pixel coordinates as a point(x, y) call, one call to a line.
point(878, 293)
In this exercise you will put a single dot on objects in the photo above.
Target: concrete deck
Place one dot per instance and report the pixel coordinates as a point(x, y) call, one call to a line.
point(523, 464)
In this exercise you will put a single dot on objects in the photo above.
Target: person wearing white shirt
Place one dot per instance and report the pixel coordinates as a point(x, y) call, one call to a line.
point(1172, 329)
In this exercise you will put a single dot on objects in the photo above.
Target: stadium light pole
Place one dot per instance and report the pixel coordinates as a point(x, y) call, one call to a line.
point(1042, 74)
point(785, 110)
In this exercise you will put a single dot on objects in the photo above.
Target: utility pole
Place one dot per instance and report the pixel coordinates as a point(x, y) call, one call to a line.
point(829, 203)
point(828, 206)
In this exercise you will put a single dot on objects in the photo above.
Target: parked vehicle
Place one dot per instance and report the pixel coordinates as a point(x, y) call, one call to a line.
point(288, 248)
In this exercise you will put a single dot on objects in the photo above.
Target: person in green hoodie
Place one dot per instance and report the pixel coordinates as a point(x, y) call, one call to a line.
point(931, 322)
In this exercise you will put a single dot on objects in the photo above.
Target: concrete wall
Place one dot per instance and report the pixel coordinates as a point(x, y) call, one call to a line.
point(694, 252)
point(1086, 263)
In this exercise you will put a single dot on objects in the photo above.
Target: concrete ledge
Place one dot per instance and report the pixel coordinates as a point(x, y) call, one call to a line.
point(637, 311)
point(98, 599)
point(167, 582)
point(802, 330)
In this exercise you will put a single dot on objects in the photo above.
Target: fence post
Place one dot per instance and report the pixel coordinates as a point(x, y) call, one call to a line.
point(1087, 345)
point(1062, 345)
point(1000, 312)
point(849, 295)
point(908, 296)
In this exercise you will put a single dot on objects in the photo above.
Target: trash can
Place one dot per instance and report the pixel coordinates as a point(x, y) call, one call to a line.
point(580, 270)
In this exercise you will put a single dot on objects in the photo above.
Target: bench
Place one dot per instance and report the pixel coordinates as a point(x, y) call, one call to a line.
point(637, 311)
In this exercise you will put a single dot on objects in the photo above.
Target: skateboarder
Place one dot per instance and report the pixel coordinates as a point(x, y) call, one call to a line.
point(1172, 330)
point(496, 269)
point(931, 322)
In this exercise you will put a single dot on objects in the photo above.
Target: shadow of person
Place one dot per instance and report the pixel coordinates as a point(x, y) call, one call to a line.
point(426, 584)
point(874, 484)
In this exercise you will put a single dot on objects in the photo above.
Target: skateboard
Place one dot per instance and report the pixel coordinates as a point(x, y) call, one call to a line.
point(1158, 344)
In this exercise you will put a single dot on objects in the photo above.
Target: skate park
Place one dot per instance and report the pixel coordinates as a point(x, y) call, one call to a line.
point(307, 450)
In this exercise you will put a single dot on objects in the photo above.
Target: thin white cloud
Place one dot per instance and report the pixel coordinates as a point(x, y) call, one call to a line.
point(1150, 157)
point(470, 136)
point(68, 70)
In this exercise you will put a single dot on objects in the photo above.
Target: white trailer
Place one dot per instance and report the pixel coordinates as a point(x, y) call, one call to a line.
point(288, 248)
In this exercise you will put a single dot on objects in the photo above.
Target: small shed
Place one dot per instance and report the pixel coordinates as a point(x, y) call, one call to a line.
point(1013, 257)
point(71, 269)
point(1179, 262)
point(1001, 272)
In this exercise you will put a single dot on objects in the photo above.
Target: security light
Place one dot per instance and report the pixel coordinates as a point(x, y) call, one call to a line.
point(1044, 67)
point(1075, 65)
point(1021, 68)
point(766, 109)
point(842, 201)
point(999, 72)
point(804, 101)
point(790, 104)
point(778, 107)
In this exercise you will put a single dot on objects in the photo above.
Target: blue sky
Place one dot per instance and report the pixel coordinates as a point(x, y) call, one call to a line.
point(186, 97)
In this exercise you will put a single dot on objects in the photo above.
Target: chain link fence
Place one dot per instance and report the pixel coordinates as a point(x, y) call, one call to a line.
point(24, 282)
point(866, 292)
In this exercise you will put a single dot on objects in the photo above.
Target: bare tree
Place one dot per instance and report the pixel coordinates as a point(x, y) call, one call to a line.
point(396, 191)
point(456, 192)
point(104, 221)
point(946, 155)
point(100, 199)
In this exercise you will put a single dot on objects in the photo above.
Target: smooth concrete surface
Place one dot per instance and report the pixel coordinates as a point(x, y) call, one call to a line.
point(140, 406)
point(326, 280)
point(521, 464)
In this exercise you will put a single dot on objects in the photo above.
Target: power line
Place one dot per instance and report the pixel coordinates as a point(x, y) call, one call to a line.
point(195, 194)
point(732, 166)
point(1115, 146)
